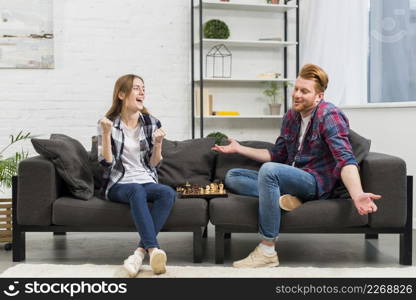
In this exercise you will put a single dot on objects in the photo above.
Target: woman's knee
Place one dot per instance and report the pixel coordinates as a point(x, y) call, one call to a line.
point(136, 192)
point(168, 194)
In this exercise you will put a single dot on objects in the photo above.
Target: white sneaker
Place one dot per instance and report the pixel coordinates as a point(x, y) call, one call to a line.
point(158, 261)
point(133, 263)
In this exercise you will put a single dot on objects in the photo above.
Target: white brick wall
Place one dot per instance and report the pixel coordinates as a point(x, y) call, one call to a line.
point(96, 41)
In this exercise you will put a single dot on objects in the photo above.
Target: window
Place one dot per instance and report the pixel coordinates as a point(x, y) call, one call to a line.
point(392, 58)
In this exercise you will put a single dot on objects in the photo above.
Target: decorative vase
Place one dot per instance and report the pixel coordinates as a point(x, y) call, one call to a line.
point(275, 109)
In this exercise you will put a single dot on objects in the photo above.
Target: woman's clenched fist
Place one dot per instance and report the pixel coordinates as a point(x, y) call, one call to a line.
point(106, 125)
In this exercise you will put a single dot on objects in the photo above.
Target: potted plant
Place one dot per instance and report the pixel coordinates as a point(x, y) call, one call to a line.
point(273, 1)
point(8, 165)
point(218, 137)
point(274, 94)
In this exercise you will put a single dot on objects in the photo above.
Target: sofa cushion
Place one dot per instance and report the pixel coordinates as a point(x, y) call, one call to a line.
point(360, 148)
point(190, 160)
point(98, 212)
point(330, 213)
point(226, 162)
point(71, 161)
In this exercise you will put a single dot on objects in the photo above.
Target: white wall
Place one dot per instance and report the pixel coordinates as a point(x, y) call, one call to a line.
point(97, 41)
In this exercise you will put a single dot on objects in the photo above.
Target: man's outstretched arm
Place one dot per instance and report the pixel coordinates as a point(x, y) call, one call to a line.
point(364, 202)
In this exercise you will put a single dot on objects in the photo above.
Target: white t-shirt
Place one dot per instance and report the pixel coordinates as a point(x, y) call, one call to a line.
point(134, 170)
point(303, 126)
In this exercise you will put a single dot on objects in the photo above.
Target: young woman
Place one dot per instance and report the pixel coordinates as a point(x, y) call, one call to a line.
point(130, 149)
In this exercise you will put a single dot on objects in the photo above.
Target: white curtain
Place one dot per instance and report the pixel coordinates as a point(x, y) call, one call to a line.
point(334, 35)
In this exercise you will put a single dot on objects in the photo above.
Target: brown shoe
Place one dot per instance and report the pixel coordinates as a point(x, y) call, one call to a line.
point(289, 202)
point(257, 259)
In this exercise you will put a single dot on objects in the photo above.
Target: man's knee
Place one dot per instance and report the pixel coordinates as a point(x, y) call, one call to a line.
point(269, 169)
point(231, 176)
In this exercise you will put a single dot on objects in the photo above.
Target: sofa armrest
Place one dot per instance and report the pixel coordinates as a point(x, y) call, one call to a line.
point(386, 175)
point(38, 187)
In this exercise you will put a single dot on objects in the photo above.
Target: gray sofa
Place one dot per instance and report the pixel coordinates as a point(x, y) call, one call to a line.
point(42, 202)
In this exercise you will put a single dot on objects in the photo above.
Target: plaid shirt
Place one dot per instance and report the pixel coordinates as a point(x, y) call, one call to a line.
point(114, 171)
point(325, 149)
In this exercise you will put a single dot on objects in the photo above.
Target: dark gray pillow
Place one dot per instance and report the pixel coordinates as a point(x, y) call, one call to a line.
point(190, 160)
point(226, 162)
point(71, 161)
point(360, 147)
point(96, 167)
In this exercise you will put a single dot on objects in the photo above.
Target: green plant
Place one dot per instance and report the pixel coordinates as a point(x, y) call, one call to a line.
point(216, 29)
point(218, 136)
point(8, 166)
point(274, 91)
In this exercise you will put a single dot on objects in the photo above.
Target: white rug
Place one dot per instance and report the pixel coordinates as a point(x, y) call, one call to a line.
point(89, 270)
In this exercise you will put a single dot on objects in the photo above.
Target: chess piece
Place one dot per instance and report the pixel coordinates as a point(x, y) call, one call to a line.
point(221, 187)
point(212, 188)
point(201, 190)
point(207, 189)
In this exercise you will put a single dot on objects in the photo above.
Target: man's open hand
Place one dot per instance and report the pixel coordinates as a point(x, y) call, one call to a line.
point(230, 148)
point(364, 203)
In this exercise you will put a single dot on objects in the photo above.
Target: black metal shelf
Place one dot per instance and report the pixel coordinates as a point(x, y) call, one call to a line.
point(199, 6)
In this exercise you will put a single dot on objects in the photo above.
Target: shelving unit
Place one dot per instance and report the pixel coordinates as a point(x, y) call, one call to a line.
point(246, 80)
point(198, 7)
point(248, 43)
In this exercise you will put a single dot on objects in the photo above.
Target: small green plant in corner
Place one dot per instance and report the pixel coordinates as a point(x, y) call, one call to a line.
point(218, 137)
point(8, 165)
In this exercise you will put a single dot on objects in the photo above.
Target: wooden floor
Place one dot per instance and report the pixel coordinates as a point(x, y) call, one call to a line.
point(316, 250)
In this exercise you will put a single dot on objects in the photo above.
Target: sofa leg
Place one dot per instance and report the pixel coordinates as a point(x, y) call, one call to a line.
point(198, 245)
point(219, 246)
point(371, 236)
point(59, 233)
point(205, 234)
point(19, 245)
point(406, 236)
point(18, 236)
point(406, 248)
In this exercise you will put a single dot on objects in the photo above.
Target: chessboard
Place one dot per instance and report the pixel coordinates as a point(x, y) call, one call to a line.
point(213, 190)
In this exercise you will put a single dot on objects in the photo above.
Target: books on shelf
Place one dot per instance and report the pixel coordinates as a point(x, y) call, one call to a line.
point(268, 75)
point(207, 105)
point(226, 113)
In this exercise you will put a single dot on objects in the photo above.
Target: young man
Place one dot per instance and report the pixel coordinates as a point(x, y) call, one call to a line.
point(310, 155)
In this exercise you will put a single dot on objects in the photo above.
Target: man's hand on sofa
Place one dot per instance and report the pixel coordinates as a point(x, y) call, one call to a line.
point(232, 147)
point(364, 203)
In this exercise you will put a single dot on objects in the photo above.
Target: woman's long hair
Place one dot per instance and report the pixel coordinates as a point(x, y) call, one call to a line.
point(125, 85)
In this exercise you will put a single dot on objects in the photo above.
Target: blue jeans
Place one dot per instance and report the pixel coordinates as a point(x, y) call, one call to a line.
point(148, 222)
point(271, 181)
